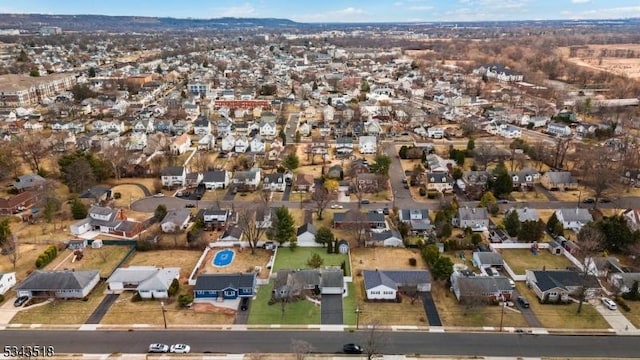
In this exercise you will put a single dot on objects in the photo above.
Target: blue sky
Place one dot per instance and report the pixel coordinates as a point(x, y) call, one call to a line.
point(341, 10)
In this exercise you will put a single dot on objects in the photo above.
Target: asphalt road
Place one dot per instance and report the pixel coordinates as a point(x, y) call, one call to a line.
point(274, 341)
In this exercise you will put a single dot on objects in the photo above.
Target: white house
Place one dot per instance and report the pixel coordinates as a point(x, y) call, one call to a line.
point(328, 113)
point(181, 144)
point(80, 227)
point(61, 284)
point(241, 145)
point(574, 219)
point(149, 281)
point(216, 179)
point(202, 126)
point(250, 178)
point(207, 142)
point(175, 220)
point(435, 132)
point(439, 181)
point(559, 129)
point(7, 280)
point(367, 144)
point(274, 182)
point(257, 144)
point(387, 238)
point(228, 143)
point(306, 236)
point(268, 128)
point(384, 284)
point(173, 176)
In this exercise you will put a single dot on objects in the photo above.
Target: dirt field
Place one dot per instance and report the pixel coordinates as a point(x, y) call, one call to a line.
point(27, 255)
point(243, 261)
point(629, 67)
point(184, 259)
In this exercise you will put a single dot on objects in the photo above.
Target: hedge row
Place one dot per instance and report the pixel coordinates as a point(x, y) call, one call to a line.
point(46, 257)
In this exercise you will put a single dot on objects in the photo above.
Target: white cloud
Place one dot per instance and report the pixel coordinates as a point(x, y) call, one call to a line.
point(580, 1)
point(421, 8)
point(245, 10)
point(344, 15)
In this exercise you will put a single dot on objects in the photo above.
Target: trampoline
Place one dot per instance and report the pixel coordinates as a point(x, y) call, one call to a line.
point(223, 258)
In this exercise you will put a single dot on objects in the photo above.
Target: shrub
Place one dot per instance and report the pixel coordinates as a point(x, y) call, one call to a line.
point(433, 195)
point(136, 297)
point(315, 261)
point(620, 301)
point(117, 195)
point(413, 262)
point(422, 192)
point(174, 287)
point(185, 299)
point(47, 256)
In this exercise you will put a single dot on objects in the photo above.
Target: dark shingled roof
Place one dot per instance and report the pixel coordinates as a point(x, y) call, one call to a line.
point(223, 281)
point(57, 280)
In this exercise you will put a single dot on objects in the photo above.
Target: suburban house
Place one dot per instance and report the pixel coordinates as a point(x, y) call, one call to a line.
point(216, 287)
point(633, 218)
point(624, 282)
point(386, 284)
point(306, 236)
point(435, 163)
point(108, 221)
point(417, 219)
point(487, 259)
point(344, 145)
point(215, 218)
point(476, 178)
point(206, 142)
point(17, 203)
point(559, 129)
point(173, 176)
point(241, 145)
point(29, 182)
point(525, 214)
point(232, 234)
point(558, 180)
point(469, 288)
point(475, 218)
point(574, 219)
point(175, 220)
point(304, 182)
point(257, 145)
point(440, 182)
point(202, 126)
point(62, 284)
point(149, 281)
point(181, 144)
point(371, 219)
point(525, 178)
point(602, 266)
point(274, 182)
point(216, 179)
point(559, 285)
point(387, 238)
point(368, 144)
point(228, 143)
point(7, 280)
point(247, 180)
point(268, 128)
point(291, 283)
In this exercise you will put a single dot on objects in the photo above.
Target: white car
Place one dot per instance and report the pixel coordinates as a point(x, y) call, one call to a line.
point(610, 304)
point(180, 348)
point(158, 348)
point(158, 195)
point(337, 206)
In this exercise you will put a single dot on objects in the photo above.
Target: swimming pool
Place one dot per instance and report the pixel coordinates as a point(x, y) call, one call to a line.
point(223, 258)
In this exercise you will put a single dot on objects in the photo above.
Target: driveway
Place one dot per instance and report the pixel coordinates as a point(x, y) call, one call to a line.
point(616, 320)
point(242, 317)
point(430, 309)
point(230, 195)
point(287, 193)
point(8, 311)
point(401, 196)
point(527, 313)
point(546, 192)
point(102, 309)
point(331, 310)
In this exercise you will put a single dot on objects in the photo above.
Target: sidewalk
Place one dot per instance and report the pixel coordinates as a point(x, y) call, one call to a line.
point(618, 322)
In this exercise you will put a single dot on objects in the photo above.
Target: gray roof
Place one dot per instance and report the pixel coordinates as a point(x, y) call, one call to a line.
point(308, 227)
point(177, 216)
point(352, 216)
point(560, 177)
point(215, 176)
point(577, 214)
point(274, 178)
point(489, 258)
point(173, 171)
point(28, 180)
point(223, 281)
point(415, 214)
point(472, 213)
point(395, 278)
point(482, 285)
point(384, 235)
point(526, 214)
point(547, 280)
point(40, 280)
point(147, 277)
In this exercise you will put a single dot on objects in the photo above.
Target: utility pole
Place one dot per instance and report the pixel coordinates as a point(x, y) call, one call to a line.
point(358, 311)
point(164, 316)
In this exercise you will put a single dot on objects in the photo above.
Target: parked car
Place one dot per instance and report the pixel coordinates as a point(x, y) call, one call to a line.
point(158, 348)
point(385, 211)
point(352, 349)
point(158, 195)
point(523, 302)
point(605, 200)
point(337, 206)
point(244, 304)
point(610, 304)
point(180, 348)
point(20, 301)
point(589, 201)
point(190, 205)
point(365, 201)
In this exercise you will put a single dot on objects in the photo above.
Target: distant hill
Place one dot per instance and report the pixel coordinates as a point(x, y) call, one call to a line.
point(133, 23)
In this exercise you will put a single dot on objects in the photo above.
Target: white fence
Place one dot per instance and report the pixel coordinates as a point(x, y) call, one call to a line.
point(192, 277)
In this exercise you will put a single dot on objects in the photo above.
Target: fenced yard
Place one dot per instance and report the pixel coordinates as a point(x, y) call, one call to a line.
point(298, 312)
point(520, 260)
point(297, 259)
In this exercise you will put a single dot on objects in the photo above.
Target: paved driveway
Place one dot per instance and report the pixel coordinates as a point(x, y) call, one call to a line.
point(430, 309)
point(331, 310)
point(616, 320)
point(102, 309)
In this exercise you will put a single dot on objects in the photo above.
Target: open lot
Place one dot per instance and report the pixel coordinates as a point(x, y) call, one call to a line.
point(522, 259)
point(243, 261)
point(184, 259)
point(386, 313)
point(297, 259)
point(128, 194)
point(41, 231)
point(589, 57)
point(298, 312)
point(103, 259)
point(27, 255)
point(563, 316)
point(62, 311)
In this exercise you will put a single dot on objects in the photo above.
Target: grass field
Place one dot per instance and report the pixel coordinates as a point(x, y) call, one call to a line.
point(103, 259)
point(128, 194)
point(297, 259)
point(62, 311)
point(299, 312)
point(27, 255)
point(522, 259)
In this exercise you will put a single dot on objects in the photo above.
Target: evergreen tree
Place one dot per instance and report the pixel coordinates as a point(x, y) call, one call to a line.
point(283, 227)
point(160, 212)
point(512, 223)
point(531, 231)
point(324, 236)
point(554, 226)
point(78, 209)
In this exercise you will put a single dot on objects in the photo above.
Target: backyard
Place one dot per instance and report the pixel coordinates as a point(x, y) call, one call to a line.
point(27, 255)
point(184, 259)
point(103, 259)
point(62, 311)
point(298, 312)
point(243, 261)
point(297, 259)
point(520, 260)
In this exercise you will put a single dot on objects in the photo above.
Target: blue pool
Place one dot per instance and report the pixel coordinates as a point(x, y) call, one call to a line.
point(223, 258)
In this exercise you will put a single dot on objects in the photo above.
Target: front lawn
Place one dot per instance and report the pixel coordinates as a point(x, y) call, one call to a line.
point(299, 312)
point(349, 305)
point(520, 260)
point(634, 314)
point(297, 259)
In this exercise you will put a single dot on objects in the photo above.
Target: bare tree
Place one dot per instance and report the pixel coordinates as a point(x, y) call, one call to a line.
point(252, 230)
point(321, 197)
point(562, 145)
point(589, 240)
point(118, 157)
point(374, 341)
point(200, 161)
point(599, 172)
point(301, 348)
point(33, 151)
point(10, 246)
point(357, 227)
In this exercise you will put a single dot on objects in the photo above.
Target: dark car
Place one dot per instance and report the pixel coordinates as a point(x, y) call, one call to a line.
point(20, 301)
point(352, 349)
point(190, 205)
point(385, 211)
point(605, 200)
point(244, 304)
point(523, 302)
point(364, 202)
point(588, 201)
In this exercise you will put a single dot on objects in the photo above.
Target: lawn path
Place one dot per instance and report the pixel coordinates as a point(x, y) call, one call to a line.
point(63, 261)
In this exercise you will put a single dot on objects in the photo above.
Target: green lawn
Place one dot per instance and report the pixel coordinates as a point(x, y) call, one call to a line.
point(520, 260)
point(299, 312)
point(349, 306)
point(297, 259)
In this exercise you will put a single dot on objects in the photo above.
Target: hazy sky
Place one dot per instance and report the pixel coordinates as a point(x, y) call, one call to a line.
point(341, 10)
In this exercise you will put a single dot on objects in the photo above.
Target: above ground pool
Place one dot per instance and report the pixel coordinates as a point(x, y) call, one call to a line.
point(223, 258)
